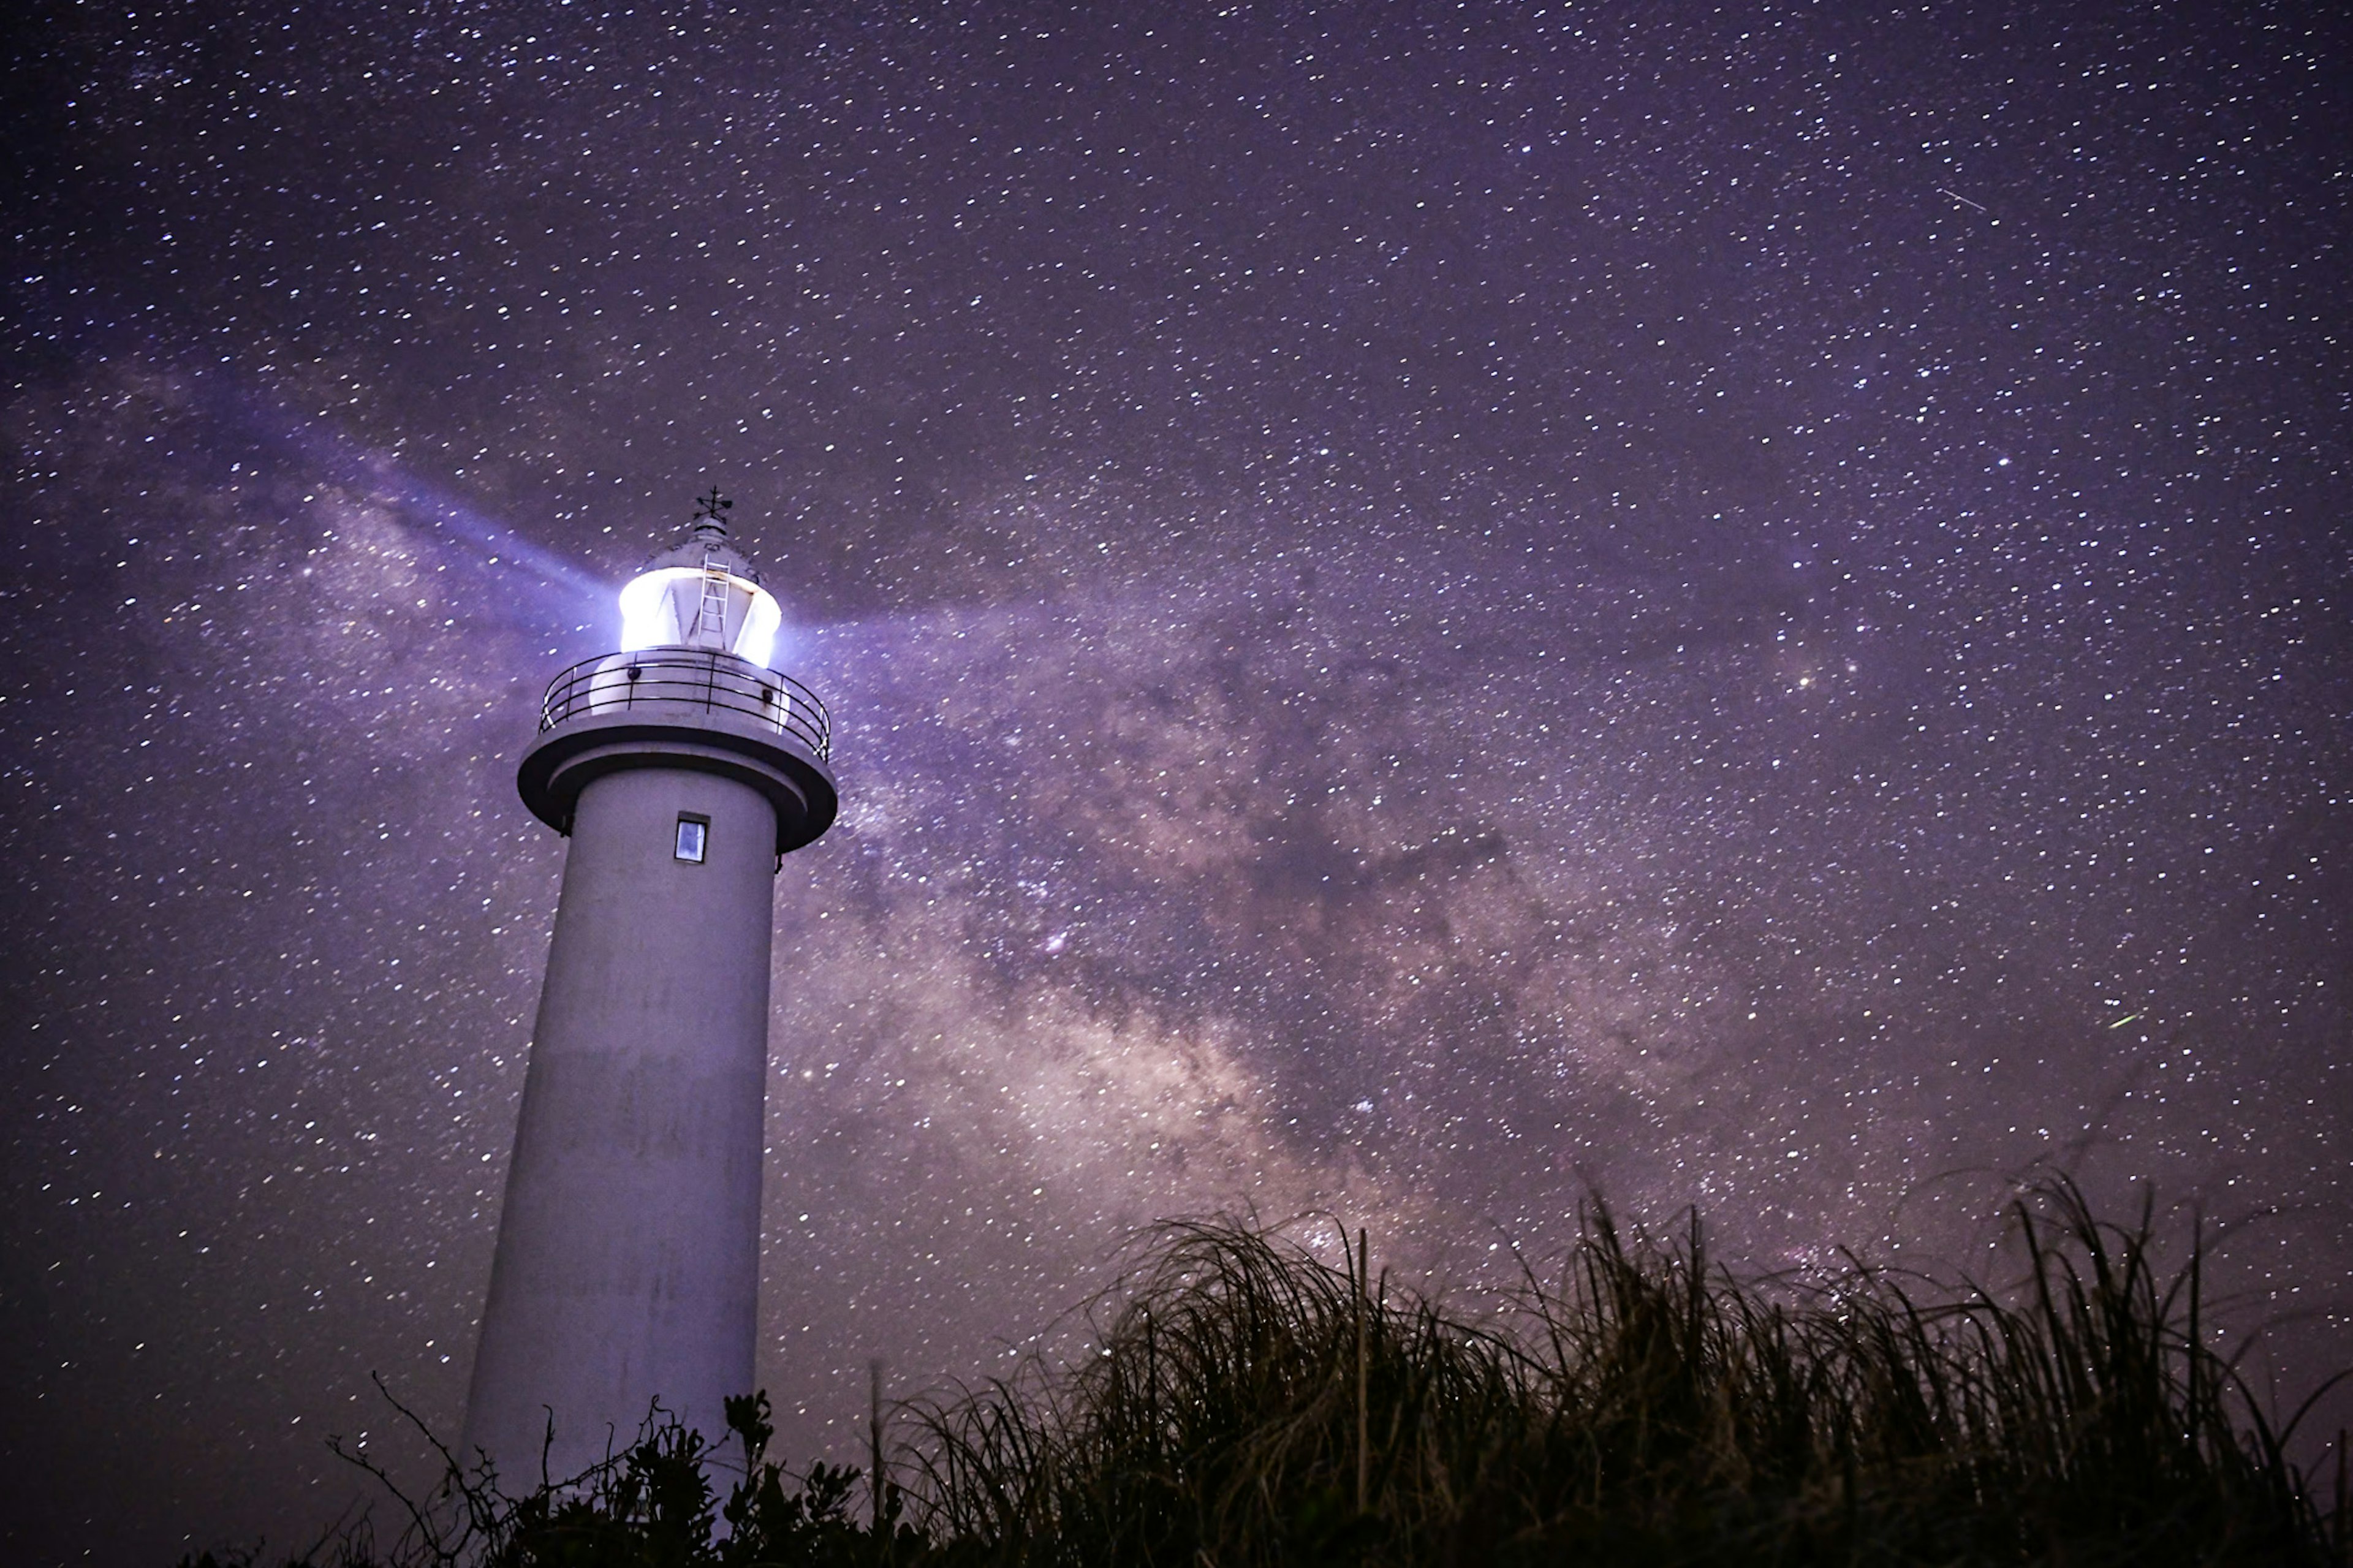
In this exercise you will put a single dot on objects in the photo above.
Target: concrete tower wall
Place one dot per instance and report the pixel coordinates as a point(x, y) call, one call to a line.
point(627, 1261)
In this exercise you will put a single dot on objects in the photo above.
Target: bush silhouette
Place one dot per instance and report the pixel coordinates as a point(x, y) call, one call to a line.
point(1248, 1402)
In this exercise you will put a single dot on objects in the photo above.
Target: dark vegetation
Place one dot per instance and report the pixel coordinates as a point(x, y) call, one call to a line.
point(1248, 1403)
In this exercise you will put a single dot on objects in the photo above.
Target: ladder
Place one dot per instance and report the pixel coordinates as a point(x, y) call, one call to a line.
point(711, 618)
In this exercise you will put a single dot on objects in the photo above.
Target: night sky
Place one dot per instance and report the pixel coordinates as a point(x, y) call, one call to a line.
point(1428, 609)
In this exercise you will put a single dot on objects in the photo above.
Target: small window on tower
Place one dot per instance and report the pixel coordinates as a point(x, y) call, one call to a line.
point(693, 832)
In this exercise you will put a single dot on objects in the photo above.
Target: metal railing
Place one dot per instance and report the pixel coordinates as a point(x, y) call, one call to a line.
point(678, 678)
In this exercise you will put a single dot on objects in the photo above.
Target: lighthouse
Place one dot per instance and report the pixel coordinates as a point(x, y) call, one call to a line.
point(681, 770)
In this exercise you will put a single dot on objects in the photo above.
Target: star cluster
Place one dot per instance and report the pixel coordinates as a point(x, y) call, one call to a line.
point(1431, 610)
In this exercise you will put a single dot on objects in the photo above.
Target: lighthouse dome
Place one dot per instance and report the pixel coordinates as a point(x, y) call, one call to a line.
point(704, 593)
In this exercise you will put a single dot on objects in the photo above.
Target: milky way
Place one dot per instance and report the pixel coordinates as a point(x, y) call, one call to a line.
point(1429, 610)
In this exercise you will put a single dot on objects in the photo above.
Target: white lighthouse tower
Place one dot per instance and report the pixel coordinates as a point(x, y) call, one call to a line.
point(682, 770)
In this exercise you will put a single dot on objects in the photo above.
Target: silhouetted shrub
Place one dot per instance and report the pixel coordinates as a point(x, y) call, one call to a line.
point(1249, 1403)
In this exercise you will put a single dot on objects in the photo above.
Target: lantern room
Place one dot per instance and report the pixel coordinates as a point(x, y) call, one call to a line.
point(702, 594)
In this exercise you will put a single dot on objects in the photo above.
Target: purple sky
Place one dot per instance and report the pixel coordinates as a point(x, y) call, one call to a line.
point(1428, 608)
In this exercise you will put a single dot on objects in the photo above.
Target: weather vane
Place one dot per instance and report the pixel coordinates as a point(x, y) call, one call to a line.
point(708, 508)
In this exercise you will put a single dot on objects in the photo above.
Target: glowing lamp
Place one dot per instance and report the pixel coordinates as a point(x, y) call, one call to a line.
point(705, 606)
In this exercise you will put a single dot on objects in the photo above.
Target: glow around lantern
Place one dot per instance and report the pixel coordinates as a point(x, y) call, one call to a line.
point(666, 608)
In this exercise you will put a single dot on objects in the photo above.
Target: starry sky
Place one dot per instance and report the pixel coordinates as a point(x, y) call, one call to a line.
point(1430, 609)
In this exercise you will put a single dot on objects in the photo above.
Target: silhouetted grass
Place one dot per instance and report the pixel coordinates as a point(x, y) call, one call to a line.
point(1251, 1403)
